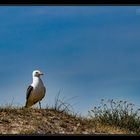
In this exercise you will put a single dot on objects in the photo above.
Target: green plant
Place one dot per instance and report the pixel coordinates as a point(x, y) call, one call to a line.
point(118, 113)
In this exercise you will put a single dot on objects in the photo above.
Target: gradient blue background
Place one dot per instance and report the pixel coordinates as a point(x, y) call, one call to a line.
point(91, 52)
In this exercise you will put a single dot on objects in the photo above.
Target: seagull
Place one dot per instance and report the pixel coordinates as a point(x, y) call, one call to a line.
point(36, 91)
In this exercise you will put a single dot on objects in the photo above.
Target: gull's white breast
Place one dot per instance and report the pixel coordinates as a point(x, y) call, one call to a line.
point(38, 90)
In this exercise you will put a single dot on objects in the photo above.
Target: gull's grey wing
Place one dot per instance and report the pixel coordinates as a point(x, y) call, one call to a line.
point(28, 93)
point(44, 93)
point(44, 90)
point(29, 89)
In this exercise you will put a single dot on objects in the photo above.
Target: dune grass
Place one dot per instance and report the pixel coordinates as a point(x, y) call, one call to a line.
point(117, 113)
point(110, 117)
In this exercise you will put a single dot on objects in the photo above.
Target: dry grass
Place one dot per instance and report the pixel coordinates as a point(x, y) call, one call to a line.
point(49, 121)
point(60, 119)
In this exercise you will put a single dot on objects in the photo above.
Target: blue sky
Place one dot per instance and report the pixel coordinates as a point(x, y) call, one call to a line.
point(91, 52)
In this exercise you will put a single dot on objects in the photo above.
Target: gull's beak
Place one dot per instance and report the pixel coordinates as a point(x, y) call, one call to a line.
point(41, 73)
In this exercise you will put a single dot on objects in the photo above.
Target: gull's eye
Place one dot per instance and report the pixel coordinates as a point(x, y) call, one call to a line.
point(36, 72)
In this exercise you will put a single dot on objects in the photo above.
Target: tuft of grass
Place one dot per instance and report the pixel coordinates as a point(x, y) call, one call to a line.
point(117, 113)
point(62, 105)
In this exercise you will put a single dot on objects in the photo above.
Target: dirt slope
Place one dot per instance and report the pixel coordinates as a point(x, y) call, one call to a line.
point(49, 121)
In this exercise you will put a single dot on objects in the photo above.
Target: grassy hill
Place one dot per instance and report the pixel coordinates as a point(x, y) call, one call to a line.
point(111, 117)
point(50, 121)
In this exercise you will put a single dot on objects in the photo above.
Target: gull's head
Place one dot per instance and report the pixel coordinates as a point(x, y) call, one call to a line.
point(37, 73)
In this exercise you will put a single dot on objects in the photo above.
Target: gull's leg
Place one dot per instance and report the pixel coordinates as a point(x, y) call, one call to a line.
point(40, 104)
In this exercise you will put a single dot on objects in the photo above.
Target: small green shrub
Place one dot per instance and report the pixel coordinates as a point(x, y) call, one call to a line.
point(118, 113)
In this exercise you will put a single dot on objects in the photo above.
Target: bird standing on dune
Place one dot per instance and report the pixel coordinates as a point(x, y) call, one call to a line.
point(36, 91)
